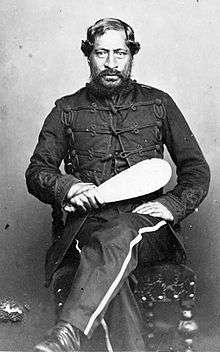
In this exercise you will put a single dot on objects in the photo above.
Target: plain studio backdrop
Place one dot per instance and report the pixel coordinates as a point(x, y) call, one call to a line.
point(40, 62)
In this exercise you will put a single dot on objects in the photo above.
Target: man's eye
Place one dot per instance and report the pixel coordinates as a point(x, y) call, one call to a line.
point(101, 53)
point(121, 53)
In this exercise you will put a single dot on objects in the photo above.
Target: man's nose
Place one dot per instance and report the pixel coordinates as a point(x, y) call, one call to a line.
point(111, 61)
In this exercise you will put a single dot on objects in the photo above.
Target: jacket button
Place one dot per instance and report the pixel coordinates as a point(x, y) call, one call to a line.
point(158, 101)
point(68, 130)
point(67, 108)
point(158, 135)
point(159, 123)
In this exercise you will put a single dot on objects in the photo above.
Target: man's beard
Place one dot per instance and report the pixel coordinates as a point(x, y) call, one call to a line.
point(110, 88)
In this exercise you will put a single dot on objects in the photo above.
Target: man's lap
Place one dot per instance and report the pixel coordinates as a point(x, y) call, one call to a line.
point(155, 246)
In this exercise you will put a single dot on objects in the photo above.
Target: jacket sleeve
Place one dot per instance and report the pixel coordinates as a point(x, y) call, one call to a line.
point(43, 176)
point(193, 174)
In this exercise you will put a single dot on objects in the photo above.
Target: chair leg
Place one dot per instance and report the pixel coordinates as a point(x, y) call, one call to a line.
point(148, 315)
point(187, 327)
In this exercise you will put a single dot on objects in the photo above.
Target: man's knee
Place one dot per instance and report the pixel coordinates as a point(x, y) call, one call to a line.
point(116, 232)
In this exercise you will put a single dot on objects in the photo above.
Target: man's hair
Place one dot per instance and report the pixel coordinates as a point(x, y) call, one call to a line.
point(105, 24)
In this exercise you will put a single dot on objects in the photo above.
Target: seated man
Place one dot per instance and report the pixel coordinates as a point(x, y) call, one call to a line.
point(102, 129)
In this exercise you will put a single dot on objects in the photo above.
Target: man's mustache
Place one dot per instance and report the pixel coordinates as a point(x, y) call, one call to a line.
point(109, 72)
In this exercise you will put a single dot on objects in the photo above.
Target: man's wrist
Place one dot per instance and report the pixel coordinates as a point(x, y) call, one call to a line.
point(64, 184)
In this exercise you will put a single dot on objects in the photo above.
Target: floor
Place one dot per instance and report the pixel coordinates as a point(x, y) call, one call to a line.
point(24, 335)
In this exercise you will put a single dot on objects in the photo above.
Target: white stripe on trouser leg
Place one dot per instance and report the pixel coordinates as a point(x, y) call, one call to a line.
point(107, 338)
point(113, 286)
point(152, 228)
point(118, 278)
point(77, 247)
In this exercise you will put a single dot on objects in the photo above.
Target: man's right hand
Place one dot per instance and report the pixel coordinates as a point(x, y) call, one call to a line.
point(81, 196)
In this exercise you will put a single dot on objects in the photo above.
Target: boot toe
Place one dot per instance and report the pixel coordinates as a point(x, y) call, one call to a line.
point(62, 338)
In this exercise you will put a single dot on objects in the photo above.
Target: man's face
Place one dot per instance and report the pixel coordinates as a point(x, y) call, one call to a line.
point(110, 61)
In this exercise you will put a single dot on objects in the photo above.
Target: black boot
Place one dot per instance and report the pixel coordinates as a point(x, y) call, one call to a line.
point(63, 337)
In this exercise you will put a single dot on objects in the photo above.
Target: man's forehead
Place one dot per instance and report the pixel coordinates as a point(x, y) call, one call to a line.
point(111, 39)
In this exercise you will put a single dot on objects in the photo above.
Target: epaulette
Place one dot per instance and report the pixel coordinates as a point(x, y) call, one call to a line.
point(65, 103)
point(161, 94)
point(145, 86)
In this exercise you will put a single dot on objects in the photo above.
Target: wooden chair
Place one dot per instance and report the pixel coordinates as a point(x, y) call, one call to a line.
point(167, 283)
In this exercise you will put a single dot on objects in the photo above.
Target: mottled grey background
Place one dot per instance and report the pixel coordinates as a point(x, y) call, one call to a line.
point(41, 61)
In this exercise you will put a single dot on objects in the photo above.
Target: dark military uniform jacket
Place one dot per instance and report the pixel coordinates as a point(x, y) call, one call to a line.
point(99, 137)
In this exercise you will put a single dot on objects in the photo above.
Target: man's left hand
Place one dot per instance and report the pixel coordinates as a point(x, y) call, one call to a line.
point(155, 209)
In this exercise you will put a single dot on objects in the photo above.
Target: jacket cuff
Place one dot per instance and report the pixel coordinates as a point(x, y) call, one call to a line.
point(63, 186)
point(177, 209)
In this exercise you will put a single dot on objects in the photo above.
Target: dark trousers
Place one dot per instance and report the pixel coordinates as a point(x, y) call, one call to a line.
point(111, 249)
